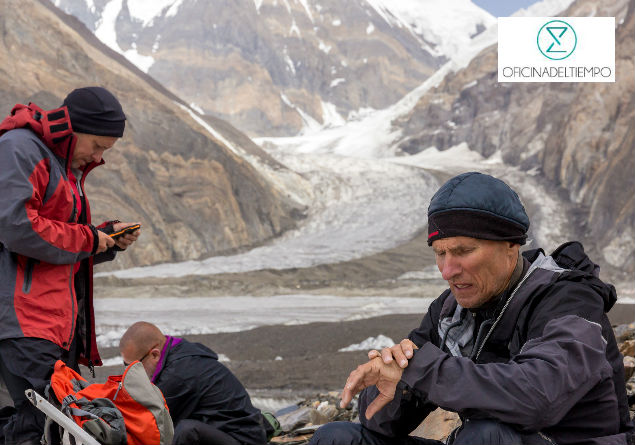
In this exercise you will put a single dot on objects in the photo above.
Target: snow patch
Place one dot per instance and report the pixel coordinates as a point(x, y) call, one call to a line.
point(453, 160)
point(258, 4)
point(370, 28)
point(114, 361)
point(379, 342)
point(155, 45)
point(544, 8)
point(144, 63)
point(330, 116)
point(309, 123)
point(105, 28)
point(324, 47)
point(288, 60)
point(196, 108)
point(305, 5)
point(295, 30)
point(336, 22)
point(445, 28)
point(147, 10)
point(174, 9)
point(336, 82)
point(106, 32)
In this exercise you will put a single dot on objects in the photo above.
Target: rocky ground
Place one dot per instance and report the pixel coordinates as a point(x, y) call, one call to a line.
point(300, 421)
point(301, 367)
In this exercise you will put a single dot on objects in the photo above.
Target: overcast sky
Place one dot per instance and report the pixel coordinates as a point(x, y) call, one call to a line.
point(503, 8)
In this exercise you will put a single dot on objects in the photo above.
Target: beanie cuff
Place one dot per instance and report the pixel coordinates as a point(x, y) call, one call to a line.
point(474, 224)
point(100, 128)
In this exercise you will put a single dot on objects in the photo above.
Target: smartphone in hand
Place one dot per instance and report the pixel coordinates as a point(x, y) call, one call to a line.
point(125, 230)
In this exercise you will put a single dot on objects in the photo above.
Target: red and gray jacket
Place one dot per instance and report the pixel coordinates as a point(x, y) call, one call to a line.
point(42, 236)
point(546, 360)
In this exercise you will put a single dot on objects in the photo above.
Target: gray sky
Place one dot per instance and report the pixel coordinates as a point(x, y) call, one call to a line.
point(503, 8)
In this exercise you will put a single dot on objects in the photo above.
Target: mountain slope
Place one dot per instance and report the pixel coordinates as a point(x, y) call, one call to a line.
point(196, 189)
point(274, 67)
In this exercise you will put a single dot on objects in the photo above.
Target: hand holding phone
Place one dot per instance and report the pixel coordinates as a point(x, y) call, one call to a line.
point(125, 230)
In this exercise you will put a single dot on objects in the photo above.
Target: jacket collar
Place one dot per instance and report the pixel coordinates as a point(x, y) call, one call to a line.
point(170, 342)
point(53, 127)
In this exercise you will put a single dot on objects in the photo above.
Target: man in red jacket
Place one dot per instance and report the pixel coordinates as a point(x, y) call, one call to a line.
point(48, 245)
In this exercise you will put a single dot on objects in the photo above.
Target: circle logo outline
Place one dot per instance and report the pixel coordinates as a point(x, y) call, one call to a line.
point(575, 44)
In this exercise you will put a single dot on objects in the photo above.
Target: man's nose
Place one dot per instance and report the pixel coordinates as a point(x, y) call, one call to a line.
point(450, 268)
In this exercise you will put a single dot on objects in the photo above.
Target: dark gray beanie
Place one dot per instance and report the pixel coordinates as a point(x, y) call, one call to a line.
point(94, 110)
point(478, 206)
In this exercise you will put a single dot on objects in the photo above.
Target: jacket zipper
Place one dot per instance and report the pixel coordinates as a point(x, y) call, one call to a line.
point(28, 275)
point(71, 279)
point(509, 300)
point(71, 286)
point(118, 389)
point(74, 212)
point(87, 335)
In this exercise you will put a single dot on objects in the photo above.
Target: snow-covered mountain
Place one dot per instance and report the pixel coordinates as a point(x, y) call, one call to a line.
point(275, 67)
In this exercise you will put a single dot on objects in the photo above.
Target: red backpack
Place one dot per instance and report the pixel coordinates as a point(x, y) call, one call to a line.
point(127, 409)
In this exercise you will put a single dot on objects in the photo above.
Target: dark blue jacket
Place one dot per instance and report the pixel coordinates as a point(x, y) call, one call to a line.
point(197, 386)
point(547, 360)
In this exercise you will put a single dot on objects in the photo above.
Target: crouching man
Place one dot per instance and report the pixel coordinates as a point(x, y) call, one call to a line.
point(208, 405)
point(519, 345)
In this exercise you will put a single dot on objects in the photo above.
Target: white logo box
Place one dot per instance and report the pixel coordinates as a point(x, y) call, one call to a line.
point(520, 58)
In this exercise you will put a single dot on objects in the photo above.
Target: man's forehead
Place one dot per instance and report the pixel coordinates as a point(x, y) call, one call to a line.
point(105, 141)
point(102, 141)
point(454, 242)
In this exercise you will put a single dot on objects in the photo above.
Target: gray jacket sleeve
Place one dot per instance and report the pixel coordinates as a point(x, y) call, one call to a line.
point(407, 410)
point(24, 181)
point(534, 390)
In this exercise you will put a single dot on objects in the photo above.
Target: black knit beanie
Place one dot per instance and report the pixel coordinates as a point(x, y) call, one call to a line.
point(94, 110)
point(477, 205)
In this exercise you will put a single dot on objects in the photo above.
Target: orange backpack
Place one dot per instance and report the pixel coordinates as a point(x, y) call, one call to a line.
point(127, 409)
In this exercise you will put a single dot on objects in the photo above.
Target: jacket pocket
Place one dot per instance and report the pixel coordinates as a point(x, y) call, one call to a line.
point(28, 275)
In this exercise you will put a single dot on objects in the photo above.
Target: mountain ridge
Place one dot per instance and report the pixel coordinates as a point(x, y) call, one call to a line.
point(275, 67)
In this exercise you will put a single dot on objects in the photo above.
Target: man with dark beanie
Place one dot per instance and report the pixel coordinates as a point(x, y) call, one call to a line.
point(48, 246)
point(519, 345)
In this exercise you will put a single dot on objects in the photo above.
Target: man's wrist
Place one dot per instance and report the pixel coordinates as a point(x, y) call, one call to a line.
point(108, 227)
point(95, 239)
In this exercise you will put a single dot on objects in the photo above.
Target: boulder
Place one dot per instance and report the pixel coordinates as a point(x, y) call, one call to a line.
point(627, 348)
point(629, 367)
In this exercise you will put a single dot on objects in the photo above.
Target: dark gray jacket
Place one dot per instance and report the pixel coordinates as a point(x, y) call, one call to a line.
point(197, 386)
point(546, 360)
